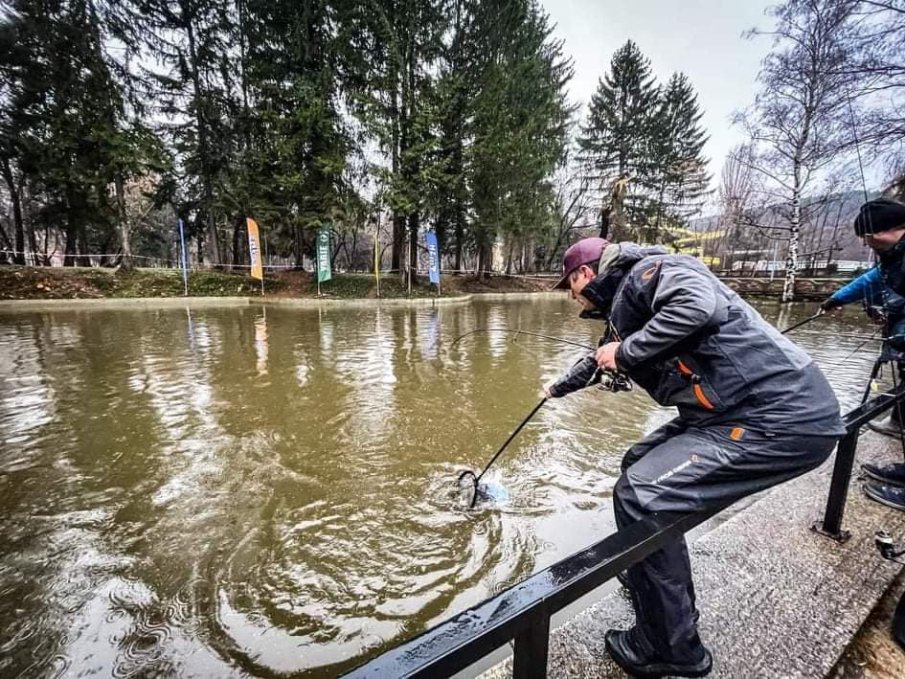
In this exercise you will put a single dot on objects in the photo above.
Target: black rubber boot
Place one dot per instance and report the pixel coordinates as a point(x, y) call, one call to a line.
point(898, 624)
point(891, 496)
point(889, 475)
point(633, 655)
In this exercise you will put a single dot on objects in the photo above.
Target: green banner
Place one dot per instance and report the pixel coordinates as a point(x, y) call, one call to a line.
point(323, 255)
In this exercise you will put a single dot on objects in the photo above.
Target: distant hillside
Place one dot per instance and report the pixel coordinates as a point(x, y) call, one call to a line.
point(826, 233)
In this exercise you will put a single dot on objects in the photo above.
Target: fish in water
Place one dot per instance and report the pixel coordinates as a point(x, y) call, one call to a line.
point(492, 491)
point(486, 492)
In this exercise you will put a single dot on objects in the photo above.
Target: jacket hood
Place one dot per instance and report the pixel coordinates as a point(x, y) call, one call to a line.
point(615, 262)
point(625, 255)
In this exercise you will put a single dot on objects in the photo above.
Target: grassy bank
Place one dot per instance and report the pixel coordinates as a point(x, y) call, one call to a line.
point(18, 282)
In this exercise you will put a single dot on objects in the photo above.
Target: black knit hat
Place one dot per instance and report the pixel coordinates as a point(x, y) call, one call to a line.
point(878, 215)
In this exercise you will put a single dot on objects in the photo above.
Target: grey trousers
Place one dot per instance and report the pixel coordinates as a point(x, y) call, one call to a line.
point(678, 468)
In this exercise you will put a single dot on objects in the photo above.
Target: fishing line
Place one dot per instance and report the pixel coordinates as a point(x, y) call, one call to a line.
point(519, 331)
point(848, 335)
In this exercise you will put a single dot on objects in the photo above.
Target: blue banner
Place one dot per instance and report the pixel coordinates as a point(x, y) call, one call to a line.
point(433, 257)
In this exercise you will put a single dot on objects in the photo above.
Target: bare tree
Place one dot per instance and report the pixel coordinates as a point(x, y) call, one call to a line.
point(797, 124)
point(878, 67)
point(738, 194)
point(573, 202)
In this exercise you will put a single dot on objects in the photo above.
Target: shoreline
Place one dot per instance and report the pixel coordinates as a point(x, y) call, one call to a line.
point(55, 287)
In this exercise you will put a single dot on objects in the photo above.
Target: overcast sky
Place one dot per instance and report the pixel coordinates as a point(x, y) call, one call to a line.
point(701, 38)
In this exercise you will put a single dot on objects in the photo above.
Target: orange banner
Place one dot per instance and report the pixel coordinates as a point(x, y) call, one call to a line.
point(254, 249)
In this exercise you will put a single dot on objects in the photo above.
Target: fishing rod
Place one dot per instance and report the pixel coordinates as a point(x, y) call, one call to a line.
point(804, 322)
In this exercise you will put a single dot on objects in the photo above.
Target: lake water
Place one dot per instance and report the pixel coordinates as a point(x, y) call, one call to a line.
point(269, 490)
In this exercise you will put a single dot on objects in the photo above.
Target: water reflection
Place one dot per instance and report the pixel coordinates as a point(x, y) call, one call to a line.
point(223, 492)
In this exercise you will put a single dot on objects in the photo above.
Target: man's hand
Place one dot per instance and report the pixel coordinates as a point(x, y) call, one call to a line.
point(606, 356)
point(545, 390)
point(831, 304)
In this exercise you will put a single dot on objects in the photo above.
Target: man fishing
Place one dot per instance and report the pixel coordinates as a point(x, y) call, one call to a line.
point(754, 411)
point(881, 224)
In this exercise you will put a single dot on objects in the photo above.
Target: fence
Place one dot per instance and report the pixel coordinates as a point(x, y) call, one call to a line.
point(522, 613)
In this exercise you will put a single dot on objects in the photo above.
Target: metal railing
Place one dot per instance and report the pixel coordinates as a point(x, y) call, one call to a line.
point(844, 464)
point(522, 612)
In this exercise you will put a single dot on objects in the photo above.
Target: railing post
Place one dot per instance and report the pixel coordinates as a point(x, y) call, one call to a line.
point(531, 647)
point(831, 526)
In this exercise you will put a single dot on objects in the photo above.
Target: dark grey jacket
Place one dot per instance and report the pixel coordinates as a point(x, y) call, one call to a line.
point(693, 343)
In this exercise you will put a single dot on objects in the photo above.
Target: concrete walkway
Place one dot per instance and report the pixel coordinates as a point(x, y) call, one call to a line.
point(776, 599)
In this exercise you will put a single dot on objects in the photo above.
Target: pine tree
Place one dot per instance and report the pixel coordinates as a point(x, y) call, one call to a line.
point(676, 171)
point(400, 43)
point(456, 86)
point(64, 126)
point(299, 146)
point(192, 41)
point(520, 125)
point(617, 137)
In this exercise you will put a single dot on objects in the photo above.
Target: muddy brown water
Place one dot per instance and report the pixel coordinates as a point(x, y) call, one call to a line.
point(258, 491)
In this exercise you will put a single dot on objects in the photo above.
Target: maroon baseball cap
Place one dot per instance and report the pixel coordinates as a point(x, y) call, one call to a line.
point(585, 251)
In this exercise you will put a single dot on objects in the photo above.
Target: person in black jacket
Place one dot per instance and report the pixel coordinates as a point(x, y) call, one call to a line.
point(753, 411)
point(881, 224)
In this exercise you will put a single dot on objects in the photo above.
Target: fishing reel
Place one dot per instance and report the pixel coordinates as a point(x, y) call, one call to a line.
point(887, 547)
point(608, 380)
point(877, 314)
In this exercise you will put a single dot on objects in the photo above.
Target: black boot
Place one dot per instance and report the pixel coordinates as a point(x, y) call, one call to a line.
point(634, 655)
point(898, 624)
point(622, 577)
point(891, 496)
point(890, 474)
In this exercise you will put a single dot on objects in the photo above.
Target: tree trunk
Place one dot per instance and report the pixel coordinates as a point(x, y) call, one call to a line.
point(485, 258)
point(413, 168)
point(460, 237)
point(238, 250)
point(83, 260)
point(71, 232)
point(206, 180)
point(788, 288)
point(18, 222)
point(124, 227)
point(414, 225)
point(396, 258)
